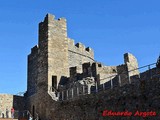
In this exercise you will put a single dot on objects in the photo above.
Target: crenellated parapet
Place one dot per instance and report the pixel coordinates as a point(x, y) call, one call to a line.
point(56, 27)
point(79, 47)
point(51, 19)
point(121, 68)
point(89, 50)
point(52, 28)
point(71, 42)
point(79, 54)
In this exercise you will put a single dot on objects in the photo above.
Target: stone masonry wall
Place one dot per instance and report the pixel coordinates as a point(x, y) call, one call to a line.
point(42, 63)
point(79, 54)
point(41, 104)
point(32, 70)
point(50, 61)
point(8, 101)
point(57, 49)
point(131, 97)
point(131, 63)
point(105, 72)
point(54, 54)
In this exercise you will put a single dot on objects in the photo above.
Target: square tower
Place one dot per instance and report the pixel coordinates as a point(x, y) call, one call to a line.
point(48, 62)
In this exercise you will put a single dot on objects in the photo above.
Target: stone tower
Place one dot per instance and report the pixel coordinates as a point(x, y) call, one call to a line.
point(48, 61)
point(53, 34)
point(49, 64)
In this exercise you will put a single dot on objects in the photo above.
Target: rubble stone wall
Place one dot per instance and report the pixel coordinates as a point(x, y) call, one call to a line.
point(79, 54)
point(141, 97)
point(8, 101)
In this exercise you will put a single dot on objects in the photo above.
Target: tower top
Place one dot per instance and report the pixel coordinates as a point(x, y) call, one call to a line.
point(50, 17)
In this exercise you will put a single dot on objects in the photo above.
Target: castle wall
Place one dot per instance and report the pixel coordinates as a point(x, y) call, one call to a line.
point(8, 101)
point(42, 64)
point(54, 59)
point(131, 62)
point(79, 54)
point(50, 59)
point(54, 55)
point(41, 104)
point(123, 74)
point(105, 73)
point(32, 71)
point(57, 49)
point(129, 98)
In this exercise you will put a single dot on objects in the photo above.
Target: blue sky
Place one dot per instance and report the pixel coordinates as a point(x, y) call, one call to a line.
point(110, 27)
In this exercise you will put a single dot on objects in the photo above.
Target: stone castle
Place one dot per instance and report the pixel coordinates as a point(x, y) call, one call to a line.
point(60, 71)
point(57, 64)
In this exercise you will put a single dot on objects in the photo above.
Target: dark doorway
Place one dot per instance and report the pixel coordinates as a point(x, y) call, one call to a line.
point(33, 110)
point(54, 82)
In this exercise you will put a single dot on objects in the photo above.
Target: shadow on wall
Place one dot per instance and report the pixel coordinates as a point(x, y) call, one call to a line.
point(18, 105)
point(63, 80)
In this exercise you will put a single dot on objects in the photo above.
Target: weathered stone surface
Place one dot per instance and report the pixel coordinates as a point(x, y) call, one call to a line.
point(62, 74)
point(60, 63)
point(126, 98)
point(51, 59)
point(8, 101)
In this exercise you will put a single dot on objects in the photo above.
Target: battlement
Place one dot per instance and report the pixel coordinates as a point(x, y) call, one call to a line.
point(57, 28)
point(89, 49)
point(50, 28)
point(128, 58)
point(62, 19)
point(34, 49)
point(79, 47)
point(121, 65)
point(49, 17)
point(56, 23)
point(71, 42)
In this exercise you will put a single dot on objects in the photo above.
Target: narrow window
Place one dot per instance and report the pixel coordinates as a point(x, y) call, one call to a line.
point(54, 82)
